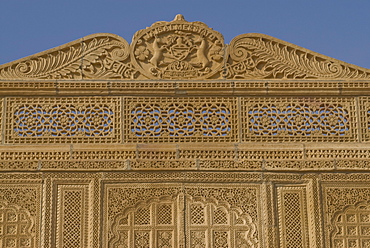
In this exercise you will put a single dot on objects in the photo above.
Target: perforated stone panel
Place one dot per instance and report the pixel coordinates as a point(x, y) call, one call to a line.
point(63, 120)
point(299, 119)
point(180, 119)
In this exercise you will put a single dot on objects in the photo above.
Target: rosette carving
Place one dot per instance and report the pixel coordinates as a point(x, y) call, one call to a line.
point(98, 56)
point(258, 56)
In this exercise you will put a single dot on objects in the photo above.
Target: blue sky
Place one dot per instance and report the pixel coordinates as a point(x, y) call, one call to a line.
point(337, 28)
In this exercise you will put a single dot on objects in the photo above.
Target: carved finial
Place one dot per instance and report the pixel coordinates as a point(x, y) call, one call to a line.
point(179, 17)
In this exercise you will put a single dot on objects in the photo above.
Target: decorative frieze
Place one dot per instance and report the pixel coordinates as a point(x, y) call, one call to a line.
point(299, 119)
point(180, 119)
point(62, 120)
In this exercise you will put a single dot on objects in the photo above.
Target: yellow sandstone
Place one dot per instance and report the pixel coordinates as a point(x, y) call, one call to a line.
point(180, 140)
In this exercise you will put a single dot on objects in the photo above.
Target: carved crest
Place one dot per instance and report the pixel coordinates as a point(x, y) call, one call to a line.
point(178, 50)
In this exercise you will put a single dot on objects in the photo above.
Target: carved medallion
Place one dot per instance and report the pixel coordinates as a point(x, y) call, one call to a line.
point(178, 50)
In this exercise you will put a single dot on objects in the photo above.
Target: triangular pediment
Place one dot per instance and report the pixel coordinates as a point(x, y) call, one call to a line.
point(180, 50)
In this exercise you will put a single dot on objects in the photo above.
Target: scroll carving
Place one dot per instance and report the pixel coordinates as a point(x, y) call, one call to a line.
point(180, 50)
point(98, 56)
point(258, 56)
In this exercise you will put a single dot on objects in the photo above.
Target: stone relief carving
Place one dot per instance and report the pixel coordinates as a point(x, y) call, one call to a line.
point(194, 170)
point(67, 118)
point(195, 119)
point(16, 227)
point(348, 215)
point(352, 226)
point(94, 56)
point(19, 215)
point(180, 50)
point(208, 215)
point(258, 56)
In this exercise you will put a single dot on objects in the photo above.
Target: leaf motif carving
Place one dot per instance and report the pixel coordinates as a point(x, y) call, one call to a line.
point(71, 60)
point(264, 57)
point(250, 56)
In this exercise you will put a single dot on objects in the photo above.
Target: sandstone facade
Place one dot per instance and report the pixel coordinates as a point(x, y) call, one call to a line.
point(180, 140)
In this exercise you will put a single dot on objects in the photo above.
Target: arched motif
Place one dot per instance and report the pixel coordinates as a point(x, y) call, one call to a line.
point(219, 223)
point(150, 223)
point(16, 227)
point(351, 226)
point(159, 222)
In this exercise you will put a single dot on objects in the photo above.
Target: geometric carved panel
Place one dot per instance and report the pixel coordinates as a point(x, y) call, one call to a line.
point(16, 226)
point(180, 119)
point(20, 216)
point(352, 226)
point(293, 217)
point(172, 215)
point(299, 119)
point(63, 120)
point(72, 217)
point(222, 216)
point(150, 225)
point(347, 211)
point(131, 218)
point(364, 105)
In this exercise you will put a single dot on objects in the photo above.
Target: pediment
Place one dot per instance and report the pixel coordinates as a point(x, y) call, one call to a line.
point(180, 50)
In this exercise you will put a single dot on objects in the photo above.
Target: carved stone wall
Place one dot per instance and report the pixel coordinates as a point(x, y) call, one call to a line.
point(180, 140)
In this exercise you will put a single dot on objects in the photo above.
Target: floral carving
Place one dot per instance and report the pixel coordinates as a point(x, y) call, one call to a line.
point(180, 50)
point(71, 118)
point(310, 118)
point(96, 56)
point(257, 56)
point(142, 53)
point(63, 120)
point(183, 119)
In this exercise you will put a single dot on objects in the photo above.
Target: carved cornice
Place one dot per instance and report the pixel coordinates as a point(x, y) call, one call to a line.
point(180, 50)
